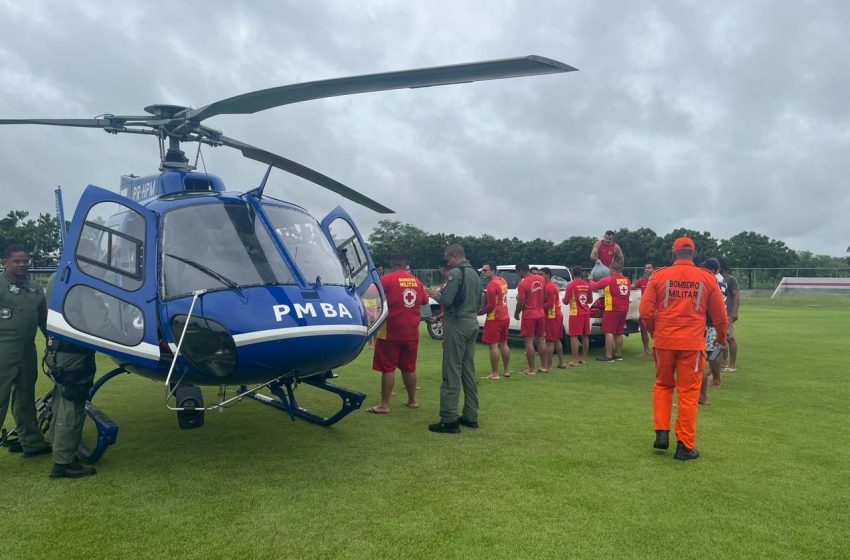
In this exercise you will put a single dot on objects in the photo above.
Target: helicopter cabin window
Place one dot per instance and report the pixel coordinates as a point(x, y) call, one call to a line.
point(218, 246)
point(104, 316)
point(111, 245)
point(306, 244)
point(351, 252)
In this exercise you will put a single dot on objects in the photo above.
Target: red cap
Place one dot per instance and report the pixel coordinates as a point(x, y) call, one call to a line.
point(683, 243)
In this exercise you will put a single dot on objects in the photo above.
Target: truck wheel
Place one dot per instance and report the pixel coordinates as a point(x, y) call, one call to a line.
point(435, 330)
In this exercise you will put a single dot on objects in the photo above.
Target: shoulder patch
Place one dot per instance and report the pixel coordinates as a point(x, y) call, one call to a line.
point(5, 313)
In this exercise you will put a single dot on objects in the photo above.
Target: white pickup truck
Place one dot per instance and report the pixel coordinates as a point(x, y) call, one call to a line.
point(561, 276)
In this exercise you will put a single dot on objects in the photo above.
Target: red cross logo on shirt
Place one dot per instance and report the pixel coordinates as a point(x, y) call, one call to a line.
point(409, 297)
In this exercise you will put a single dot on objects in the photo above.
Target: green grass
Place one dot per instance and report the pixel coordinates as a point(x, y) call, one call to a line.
point(560, 468)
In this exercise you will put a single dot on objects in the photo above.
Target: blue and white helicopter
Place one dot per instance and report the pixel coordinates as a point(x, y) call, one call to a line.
point(205, 286)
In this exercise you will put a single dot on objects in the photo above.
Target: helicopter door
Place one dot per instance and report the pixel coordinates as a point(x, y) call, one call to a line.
point(358, 265)
point(104, 295)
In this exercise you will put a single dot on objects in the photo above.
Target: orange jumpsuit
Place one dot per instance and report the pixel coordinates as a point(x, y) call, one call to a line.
point(673, 308)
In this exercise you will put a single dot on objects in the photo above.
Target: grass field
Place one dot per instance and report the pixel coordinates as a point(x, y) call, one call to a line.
point(562, 467)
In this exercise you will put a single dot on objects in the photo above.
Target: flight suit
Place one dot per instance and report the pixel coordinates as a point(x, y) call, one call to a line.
point(23, 310)
point(72, 368)
point(460, 329)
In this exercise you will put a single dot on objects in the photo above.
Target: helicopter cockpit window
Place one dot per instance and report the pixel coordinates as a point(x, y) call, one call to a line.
point(350, 251)
point(111, 245)
point(306, 243)
point(218, 247)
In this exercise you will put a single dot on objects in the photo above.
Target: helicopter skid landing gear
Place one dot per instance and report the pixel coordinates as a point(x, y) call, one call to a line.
point(107, 430)
point(284, 391)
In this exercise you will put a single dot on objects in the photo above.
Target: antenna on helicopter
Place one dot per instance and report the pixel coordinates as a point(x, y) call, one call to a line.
point(258, 192)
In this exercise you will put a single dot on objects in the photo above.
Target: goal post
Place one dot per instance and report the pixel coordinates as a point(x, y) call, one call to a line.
point(804, 285)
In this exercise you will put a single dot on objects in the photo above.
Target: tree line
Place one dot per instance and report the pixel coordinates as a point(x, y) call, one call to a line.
point(747, 249)
point(424, 250)
point(40, 235)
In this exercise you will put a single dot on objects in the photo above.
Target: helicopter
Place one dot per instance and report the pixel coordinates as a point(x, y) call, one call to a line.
point(206, 286)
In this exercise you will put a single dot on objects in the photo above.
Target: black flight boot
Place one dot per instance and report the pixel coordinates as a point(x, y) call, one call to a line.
point(662, 439)
point(37, 452)
point(445, 427)
point(468, 423)
point(74, 470)
point(685, 454)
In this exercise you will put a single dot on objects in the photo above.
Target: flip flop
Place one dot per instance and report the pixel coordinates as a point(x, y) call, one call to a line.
point(376, 410)
point(506, 374)
point(411, 405)
point(562, 366)
point(490, 377)
point(574, 364)
point(526, 372)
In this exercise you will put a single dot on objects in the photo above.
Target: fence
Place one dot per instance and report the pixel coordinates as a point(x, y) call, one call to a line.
point(769, 278)
point(748, 278)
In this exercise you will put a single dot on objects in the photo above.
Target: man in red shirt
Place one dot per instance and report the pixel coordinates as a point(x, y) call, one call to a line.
point(607, 251)
point(397, 341)
point(554, 321)
point(674, 308)
point(529, 303)
point(578, 296)
point(641, 283)
point(496, 324)
point(617, 291)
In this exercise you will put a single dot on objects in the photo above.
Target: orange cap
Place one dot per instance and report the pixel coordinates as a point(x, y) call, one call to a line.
point(683, 243)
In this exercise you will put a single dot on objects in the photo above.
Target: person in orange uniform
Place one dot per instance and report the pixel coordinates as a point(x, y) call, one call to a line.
point(554, 321)
point(578, 295)
point(617, 290)
point(397, 341)
point(641, 284)
point(529, 303)
point(496, 323)
point(673, 309)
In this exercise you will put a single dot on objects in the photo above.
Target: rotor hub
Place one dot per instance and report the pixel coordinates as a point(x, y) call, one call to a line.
point(165, 111)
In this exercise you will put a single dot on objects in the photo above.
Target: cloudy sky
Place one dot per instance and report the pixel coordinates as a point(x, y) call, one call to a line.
point(717, 116)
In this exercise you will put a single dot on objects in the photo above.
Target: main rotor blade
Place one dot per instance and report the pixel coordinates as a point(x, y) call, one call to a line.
point(304, 172)
point(87, 123)
point(106, 122)
point(424, 77)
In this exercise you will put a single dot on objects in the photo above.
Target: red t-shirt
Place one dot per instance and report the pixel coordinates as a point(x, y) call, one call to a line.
point(579, 296)
point(641, 283)
point(606, 252)
point(553, 301)
point(496, 299)
point(405, 295)
point(530, 292)
point(617, 290)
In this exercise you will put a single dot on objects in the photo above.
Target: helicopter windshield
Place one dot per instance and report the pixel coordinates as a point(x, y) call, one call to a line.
point(306, 243)
point(217, 246)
